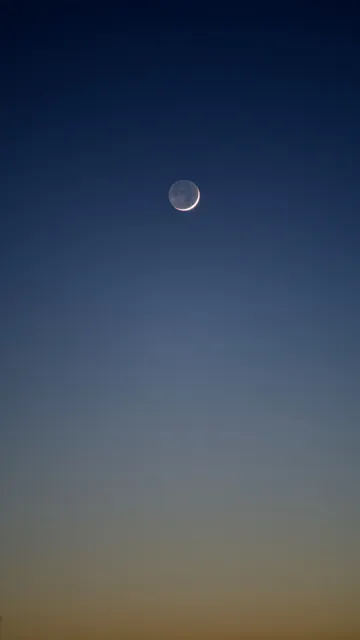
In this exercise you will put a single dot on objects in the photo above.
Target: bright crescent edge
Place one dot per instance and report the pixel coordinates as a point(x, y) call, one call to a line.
point(193, 205)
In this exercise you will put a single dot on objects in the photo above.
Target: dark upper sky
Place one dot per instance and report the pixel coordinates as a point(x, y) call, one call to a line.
point(159, 367)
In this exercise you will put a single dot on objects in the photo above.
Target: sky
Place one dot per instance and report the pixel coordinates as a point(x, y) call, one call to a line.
point(179, 393)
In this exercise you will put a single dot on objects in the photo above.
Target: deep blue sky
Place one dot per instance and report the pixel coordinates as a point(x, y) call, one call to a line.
point(169, 381)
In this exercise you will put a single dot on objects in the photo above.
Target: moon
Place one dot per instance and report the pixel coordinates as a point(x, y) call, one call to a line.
point(184, 195)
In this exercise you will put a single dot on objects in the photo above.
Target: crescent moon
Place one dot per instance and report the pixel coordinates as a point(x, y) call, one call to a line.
point(193, 205)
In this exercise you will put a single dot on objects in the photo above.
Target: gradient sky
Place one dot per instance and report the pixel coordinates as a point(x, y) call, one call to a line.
point(179, 393)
